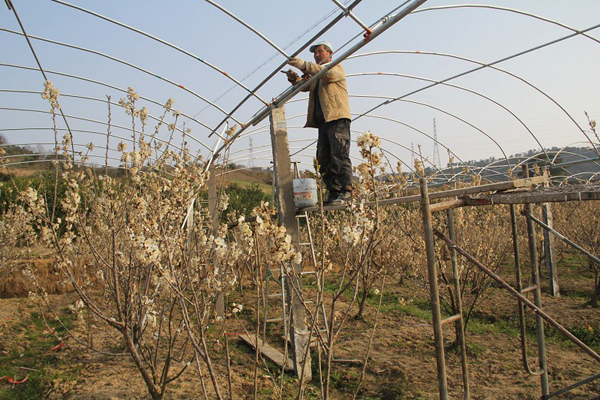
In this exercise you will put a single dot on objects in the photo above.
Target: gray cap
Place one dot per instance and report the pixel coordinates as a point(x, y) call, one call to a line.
point(324, 43)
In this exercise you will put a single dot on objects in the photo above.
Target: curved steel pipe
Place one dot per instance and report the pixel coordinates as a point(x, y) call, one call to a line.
point(513, 10)
point(491, 64)
point(113, 135)
point(100, 84)
point(39, 64)
point(245, 24)
point(537, 89)
point(444, 112)
point(159, 40)
point(103, 101)
point(109, 57)
point(73, 117)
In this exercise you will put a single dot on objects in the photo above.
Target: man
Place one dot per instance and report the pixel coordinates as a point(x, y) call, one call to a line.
point(329, 111)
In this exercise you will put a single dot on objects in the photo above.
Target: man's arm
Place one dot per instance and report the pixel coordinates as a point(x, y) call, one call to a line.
point(333, 75)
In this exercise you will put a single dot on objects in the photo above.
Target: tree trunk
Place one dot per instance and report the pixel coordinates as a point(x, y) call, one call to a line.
point(361, 304)
point(596, 293)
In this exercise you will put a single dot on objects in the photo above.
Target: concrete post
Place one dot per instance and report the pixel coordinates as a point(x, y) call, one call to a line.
point(299, 332)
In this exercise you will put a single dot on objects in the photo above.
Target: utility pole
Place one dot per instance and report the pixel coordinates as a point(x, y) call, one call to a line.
point(436, 150)
point(251, 152)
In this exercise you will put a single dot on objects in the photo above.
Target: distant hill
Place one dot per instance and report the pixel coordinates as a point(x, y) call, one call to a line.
point(578, 163)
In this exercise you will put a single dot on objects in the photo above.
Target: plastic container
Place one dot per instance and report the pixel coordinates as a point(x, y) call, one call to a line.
point(305, 192)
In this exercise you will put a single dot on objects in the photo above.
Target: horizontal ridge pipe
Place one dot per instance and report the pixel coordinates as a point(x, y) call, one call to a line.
point(518, 295)
point(292, 91)
point(354, 17)
point(318, 34)
point(385, 26)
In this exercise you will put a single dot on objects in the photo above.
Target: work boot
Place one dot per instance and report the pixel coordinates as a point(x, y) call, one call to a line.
point(333, 194)
point(342, 198)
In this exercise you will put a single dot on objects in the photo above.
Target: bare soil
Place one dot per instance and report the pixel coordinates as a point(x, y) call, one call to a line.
point(401, 366)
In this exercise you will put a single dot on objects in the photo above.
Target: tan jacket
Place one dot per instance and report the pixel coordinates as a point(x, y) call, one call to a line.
point(333, 94)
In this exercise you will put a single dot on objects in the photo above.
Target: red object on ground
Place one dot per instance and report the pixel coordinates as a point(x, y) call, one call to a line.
point(58, 346)
point(12, 381)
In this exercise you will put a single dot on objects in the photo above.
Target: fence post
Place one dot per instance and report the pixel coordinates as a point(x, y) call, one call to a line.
point(460, 323)
point(537, 295)
point(434, 292)
point(549, 247)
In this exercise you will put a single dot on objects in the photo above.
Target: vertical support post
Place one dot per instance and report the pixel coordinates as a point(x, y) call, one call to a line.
point(549, 247)
point(537, 296)
point(434, 292)
point(299, 331)
point(213, 213)
point(519, 285)
point(460, 323)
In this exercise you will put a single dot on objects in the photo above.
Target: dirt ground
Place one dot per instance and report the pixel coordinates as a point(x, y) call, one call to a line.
point(401, 365)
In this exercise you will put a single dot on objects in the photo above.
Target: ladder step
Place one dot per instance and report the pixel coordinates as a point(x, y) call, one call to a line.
point(274, 295)
point(269, 352)
point(451, 319)
point(279, 319)
point(529, 289)
point(305, 244)
point(307, 272)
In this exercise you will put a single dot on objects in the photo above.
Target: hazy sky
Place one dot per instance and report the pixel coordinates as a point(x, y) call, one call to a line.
point(482, 114)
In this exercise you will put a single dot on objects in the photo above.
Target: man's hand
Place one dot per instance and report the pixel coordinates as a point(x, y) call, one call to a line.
point(297, 62)
point(292, 77)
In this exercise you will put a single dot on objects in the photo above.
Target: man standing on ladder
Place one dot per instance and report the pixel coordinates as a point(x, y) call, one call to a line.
point(329, 111)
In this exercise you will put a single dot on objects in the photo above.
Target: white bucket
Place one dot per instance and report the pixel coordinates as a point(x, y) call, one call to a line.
point(305, 192)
